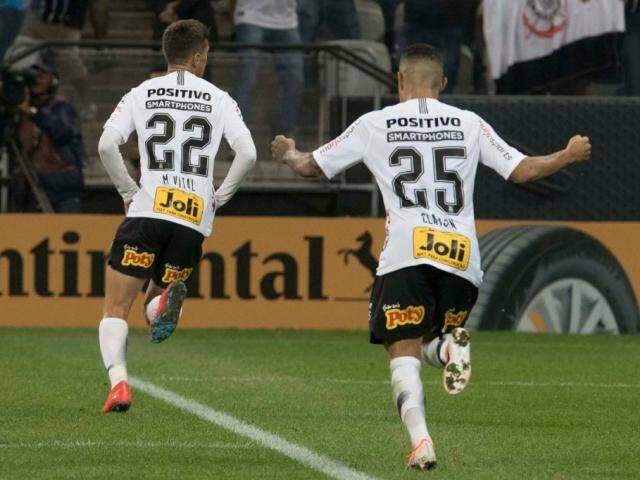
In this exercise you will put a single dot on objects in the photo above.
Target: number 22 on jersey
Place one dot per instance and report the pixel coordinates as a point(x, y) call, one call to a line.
point(167, 160)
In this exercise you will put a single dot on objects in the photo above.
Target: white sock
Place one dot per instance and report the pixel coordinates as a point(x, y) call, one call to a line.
point(113, 346)
point(151, 309)
point(434, 351)
point(409, 395)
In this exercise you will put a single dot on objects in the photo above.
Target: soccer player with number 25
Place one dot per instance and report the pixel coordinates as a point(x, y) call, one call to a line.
point(424, 155)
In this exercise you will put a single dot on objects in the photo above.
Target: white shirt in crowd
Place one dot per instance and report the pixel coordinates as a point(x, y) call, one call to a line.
point(424, 155)
point(273, 14)
point(180, 120)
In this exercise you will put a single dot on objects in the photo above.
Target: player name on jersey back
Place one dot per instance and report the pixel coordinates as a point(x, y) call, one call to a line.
point(180, 120)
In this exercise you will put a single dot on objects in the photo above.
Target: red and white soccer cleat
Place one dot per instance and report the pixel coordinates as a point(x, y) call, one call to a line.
point(119, 399)
point(457, 371)
point(423, 456)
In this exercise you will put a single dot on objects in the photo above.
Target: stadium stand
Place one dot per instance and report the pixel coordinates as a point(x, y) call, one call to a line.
point(112, 71)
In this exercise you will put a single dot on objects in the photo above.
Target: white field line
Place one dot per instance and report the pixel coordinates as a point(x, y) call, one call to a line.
point(247, 379)
point(123, 444)
point(501, 383)
point(295, 452)
point(561, 384)
point(347, 381)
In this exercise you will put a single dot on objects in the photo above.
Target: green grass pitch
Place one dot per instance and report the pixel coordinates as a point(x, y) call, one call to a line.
point(538, 406)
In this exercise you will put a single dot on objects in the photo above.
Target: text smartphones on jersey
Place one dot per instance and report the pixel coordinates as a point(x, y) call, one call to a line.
point(182, 93)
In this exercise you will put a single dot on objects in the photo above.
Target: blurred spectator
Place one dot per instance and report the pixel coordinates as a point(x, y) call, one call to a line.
point(51, 140)
point(11, 18)
point(389, 9)
point(99, 18)
point(441, 23)
point(168, 12)
point(631, 49)
point(338, 16)
point(270, 22)
point(62, 20)
point(158, 7)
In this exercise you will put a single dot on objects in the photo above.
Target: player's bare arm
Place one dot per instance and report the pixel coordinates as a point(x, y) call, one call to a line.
point(284, 150)
point(534, 168)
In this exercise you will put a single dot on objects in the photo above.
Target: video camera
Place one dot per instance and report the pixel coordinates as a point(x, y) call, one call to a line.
point(13, 86)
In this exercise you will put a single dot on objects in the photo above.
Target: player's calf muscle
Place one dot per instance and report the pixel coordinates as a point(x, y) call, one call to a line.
point(120, 292)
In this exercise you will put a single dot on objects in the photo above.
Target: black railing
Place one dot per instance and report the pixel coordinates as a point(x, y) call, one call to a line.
point(337, 51)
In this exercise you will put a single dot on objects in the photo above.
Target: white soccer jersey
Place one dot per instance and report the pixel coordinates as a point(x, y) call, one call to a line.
point(180, 119)
point(424, 155)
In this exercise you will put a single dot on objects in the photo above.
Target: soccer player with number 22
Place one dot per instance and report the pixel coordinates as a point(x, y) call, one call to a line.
point(180, 119)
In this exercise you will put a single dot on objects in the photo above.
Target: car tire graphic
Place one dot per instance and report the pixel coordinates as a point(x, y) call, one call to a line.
point(552, 279)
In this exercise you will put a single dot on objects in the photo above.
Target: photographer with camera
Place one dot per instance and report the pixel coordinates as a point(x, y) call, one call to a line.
point(50, 144)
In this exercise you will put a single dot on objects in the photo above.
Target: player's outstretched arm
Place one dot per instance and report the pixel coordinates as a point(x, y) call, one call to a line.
point(284, 150)
point(109, 151)
point(535, 168)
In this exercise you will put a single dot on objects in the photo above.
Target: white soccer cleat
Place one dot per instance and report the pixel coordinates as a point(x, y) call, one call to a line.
point(423, 456)
point(457, 371)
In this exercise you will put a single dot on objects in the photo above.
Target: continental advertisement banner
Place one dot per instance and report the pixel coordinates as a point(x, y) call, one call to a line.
point(266, 272)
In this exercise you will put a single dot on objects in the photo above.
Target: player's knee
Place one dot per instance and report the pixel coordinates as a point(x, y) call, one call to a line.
point(405, 348)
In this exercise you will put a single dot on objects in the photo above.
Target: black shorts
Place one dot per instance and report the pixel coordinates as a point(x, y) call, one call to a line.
point(418, 301)
point(157, 249)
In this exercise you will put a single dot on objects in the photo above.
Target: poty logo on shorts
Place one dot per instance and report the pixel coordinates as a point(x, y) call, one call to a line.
point(454, 320)
point(135, 259)
point(173, 274)
point(406, 316)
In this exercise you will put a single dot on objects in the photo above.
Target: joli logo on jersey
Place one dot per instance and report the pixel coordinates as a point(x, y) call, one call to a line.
point(179, 204)
point(446, 248)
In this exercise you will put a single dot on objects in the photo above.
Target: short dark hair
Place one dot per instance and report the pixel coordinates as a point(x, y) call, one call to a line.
point(184, 38)
point(422, 51)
